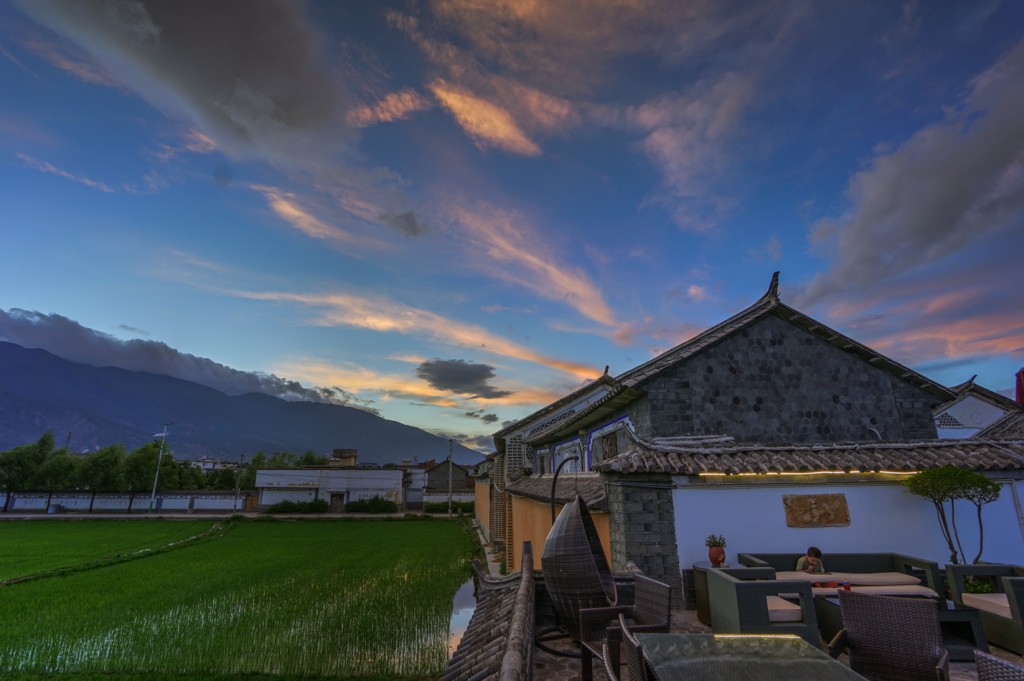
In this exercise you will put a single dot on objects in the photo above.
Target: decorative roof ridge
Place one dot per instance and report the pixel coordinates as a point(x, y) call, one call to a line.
point(982, 393)
point(603, 379)
point(762, 306)
point(965, 386)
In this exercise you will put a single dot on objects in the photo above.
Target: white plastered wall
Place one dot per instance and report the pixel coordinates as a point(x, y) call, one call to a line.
point(883, 518)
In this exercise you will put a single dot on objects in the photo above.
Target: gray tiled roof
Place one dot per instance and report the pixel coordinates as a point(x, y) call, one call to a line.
point(1009, 427)
point(864, 457)
point(494, 645)
point(589, 486)
point(602, 380)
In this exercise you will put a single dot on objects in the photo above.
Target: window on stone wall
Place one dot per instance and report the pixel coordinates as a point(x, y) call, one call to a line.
point(542, 462)
point(608, 445)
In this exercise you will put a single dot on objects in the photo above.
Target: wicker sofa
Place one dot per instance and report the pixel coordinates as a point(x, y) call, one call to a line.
point(748, 601)
point(1001, 612)
point(885, 574)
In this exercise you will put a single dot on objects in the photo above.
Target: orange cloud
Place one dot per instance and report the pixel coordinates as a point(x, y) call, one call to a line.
point(487, 124)
point(996, 333)
point(287, 207)
point(504, 237)
point(394, 106)
point(45, 167)
point(387, 316)
point(79, 68)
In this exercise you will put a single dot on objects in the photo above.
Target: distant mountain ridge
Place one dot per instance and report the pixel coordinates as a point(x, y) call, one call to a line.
point(99, 406)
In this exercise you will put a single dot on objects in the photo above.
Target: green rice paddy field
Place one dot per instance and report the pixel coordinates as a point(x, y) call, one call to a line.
point(188, 600)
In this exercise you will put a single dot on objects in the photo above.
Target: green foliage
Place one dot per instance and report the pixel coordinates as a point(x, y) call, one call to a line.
point(18, 466)
point(103, 471)
point(715, 540)
point(977, 585)
point(373, 505)
point(222, 479)
point(442, 507)
point(946, 485)
point(262, 599)
point(315, 506)
point(57, 472)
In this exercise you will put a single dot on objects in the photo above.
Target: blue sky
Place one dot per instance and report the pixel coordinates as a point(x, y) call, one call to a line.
point(455, 211)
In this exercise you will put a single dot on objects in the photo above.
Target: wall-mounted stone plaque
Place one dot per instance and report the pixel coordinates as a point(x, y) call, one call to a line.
point(816, 510)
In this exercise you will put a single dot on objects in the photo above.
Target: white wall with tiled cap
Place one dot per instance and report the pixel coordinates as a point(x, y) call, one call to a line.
point(884, 517)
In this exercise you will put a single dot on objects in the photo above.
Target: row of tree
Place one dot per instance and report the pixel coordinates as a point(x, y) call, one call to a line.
point(41, 467)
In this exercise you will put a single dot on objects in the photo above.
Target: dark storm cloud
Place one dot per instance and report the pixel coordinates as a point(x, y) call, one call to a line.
point(68, 339)
point(460, 376)
point(948, 188)
point(480, 414)
point(406, 223)
point(249, 72)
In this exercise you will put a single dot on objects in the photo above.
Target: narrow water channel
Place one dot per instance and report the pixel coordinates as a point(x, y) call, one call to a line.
point(463, 606)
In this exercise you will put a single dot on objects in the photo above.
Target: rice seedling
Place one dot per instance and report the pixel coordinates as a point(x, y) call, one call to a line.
point(31, 547)
point(367, 600)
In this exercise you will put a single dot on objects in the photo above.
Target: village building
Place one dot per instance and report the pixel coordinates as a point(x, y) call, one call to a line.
point(448, 479)
point(769, 375)
point(972, 410)
point(337, 485)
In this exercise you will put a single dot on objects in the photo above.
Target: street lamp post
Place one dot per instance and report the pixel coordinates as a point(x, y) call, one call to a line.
point(238, 482)
point(159, 456)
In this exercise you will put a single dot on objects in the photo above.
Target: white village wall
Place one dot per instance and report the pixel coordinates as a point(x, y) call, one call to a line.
point(883, 518)
point(305, 484)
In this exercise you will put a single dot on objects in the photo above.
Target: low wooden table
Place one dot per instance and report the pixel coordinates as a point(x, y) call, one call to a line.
point(962, 631)
point(705, 657)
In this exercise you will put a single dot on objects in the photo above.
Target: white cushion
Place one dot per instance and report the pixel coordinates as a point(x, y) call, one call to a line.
point(854, 578)
point(882, 590)
point(993, 603)
point(781, 610)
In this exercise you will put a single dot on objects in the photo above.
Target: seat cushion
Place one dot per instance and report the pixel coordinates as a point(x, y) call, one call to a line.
point(781, 610)
point(854, 578)
point(993, 603)
point(890, 590)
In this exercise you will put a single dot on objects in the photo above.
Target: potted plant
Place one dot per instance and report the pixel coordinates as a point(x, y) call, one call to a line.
point(716, 549)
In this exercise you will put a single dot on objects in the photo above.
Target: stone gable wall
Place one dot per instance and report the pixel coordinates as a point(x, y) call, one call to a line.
point(774, 382)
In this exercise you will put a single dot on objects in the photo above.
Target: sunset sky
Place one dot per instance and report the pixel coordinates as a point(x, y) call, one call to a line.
point(455, 211)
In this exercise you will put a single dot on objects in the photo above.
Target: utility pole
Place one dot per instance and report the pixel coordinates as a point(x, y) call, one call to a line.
point(159, 456)
point(238, 482)
point(449, 478)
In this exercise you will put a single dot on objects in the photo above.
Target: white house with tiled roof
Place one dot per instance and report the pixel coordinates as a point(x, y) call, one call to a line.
point(972, 410)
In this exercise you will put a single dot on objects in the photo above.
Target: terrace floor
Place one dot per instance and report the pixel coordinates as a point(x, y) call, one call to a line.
point(548, 667)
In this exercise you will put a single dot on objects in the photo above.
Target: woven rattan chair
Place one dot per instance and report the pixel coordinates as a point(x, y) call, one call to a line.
point(992, 668)
point(576, 572)
point(651, 612)
point(891, 639)
point(634, 654)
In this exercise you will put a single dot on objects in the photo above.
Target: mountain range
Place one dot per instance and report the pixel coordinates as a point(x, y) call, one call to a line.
point(89, 407)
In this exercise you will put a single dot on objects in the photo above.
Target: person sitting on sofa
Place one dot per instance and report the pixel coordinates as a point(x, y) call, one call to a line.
point(811, 562)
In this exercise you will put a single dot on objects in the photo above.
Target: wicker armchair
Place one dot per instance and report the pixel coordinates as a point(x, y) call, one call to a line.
point(651, 612)
point(891, 639)
point(992, 668)
point(1002, 612)
point(635, 662)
